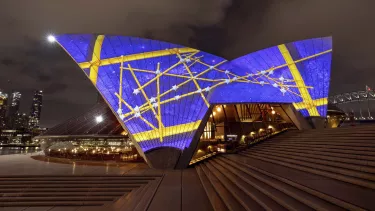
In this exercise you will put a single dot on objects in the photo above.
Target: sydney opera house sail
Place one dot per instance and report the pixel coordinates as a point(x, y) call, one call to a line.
point(161, 92)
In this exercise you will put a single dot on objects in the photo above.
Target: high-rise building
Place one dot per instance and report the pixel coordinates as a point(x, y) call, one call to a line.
point(36, 109)
point(14, 109)
point(21, 121)
point(3, 109)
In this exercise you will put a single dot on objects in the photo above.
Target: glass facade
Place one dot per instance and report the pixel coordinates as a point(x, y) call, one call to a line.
point(36, 109)
point(14, 109)
point(161, 92)
point(3, 109)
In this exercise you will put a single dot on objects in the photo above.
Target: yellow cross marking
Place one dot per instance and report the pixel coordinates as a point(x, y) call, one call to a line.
point(317, 102)
point(306, 98)
point(95, 60)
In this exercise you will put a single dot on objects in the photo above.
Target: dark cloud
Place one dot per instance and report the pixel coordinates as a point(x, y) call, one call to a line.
point(8, 62)
point(56, 88)
point(223, 27)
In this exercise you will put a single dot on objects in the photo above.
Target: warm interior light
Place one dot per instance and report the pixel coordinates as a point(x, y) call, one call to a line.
point(51, 38)
point(218, 109)
point(273, 112)
point(214, 113)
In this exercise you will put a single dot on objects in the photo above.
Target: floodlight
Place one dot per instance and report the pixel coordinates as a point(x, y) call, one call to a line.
point(51, 38)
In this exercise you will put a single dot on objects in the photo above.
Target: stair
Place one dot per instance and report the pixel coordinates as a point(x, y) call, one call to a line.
point(43, 190)
point(331, 169)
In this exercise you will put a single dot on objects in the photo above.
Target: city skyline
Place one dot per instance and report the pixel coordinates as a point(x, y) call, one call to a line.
point(12, 117)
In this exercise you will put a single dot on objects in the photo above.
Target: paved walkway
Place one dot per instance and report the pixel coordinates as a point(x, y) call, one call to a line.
point(21, 164)
point(161, 190)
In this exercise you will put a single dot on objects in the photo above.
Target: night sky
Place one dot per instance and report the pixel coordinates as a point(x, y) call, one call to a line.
point(226, 28)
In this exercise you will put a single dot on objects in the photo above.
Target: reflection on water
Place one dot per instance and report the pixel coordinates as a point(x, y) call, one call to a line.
point(18, 150)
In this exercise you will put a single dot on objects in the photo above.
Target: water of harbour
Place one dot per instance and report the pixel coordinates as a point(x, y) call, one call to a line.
point(18, 150)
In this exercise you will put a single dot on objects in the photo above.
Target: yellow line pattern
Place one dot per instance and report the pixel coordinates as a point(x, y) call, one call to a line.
point(317, 102)
point(221, 81)
point(167, 131)
point(143, 92)
point(134, 57)
point(159, 109)
point(306, 97)
point(120, 90)
point(184, 54)
point(195, 82)
point(127, 105)
point(95, 61)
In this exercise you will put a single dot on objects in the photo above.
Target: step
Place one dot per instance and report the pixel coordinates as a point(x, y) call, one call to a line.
point(74, 182)
point(301, 193)
point(336, 189)
point(328, 142)
point(57, 198)
point(70, 186)
point(318, 160)
point(341, 168)
point(144, 200)
point(344, 178)
point(52, 203)
point(322, 133)
point(250, 188)
point(214, 198)
point(232, 186)
point(330, 157)
point(362, 158)
point(280, 200)
point(83, 178)
point(72, 190)
point(48, 194)
point(319, 139)
point(229, 200)
point(369, 151)
point(361, 154)
point(129, 201)
point(365, 137)
point(333, 132)
point(353, 148)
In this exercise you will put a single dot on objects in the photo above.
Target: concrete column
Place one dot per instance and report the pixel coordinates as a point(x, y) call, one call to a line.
point(163, 158)
point(296, 117)
point(316, 122)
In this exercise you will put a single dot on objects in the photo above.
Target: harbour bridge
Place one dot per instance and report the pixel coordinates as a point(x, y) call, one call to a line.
point(358, 102)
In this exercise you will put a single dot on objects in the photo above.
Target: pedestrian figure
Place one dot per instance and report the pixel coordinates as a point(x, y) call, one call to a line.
point(351, 118)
